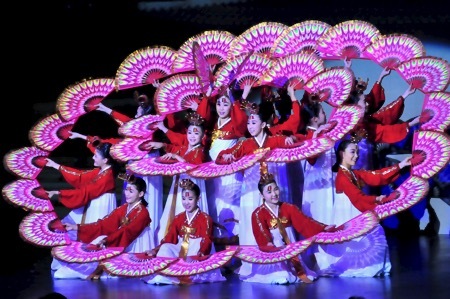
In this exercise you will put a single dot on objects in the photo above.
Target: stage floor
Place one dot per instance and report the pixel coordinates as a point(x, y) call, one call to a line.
point(420, 269)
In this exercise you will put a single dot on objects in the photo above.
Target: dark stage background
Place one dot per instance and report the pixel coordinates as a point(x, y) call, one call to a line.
point(49, 46)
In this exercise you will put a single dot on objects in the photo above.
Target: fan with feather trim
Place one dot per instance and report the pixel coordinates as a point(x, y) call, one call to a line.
point(26, 162)
point(270, 254)
point(251, 69)
point(295, 68)
point(43, 229)
point(78, 99)
point(211, 169)
point(347, 40)
point(391, 50)
point(202, 68)
point(174, 93)
point(351, 229)
point(429, 74)
point(305, 149)
point(27, 194)
point(145, 66)
point(135, 264)
point(333, 85)
point(48, 133)
point(410, 192)
point(435, 114)
point(157, 166)
point(259, 38)
point(129, 148)
point(79, 252)
point(142, 127)
point(227, 73)
point(214, 44)
point(193, 265)
point(342, 121)
point(430, 153)
point(299, 37)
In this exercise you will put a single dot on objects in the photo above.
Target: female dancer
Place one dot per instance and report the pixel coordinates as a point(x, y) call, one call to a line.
point(190, 234)
point(192, 152)
point(228, 125)
point(365, 256)
point(126, 226)
point(274, 224)
point(250, 198)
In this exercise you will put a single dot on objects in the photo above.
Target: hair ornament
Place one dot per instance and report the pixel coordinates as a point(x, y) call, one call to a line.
point(186, 184)
point(195, 119)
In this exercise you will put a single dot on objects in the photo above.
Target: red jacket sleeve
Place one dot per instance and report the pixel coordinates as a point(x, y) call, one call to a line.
point(124, 235)
point(260, 227)
point(359, 199)
point(387, 133)
point(239, 119)
point(376, 98)
point(104, 226)
point(120, 118)
point(291, 124)
point(176, 138)
point(303, 224)
point(391, 113)
point(206, 233)
point(88, 186)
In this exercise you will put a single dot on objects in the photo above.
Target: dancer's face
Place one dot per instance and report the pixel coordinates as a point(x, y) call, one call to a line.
point(223, 107)
point(350, 155)
point(255, 125)
point(98, 158)
point(132, 194)
point(194, 135)
point(189, 200)
point(271, 193)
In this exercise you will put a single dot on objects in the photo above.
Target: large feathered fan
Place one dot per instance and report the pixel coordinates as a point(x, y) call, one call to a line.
point(342, 120)
point(43, 229)
point(135, 264)
point(156, 166)
point(270, 255)
point(26, 162)
point(214, 44)
point(27, 194)
point(78, 252)
point(299, 37)
point(391, 50)
point(430, 153)
point(129, 149)
point(259, 38)
point(227, 73)
point(306, 149)
point(347, 39)
point(435, 112)
point(50, 132)
point(175, 92)
point(333, 85)
point(410, 192)
point(295, 68)
point(141, 127)
point(197, 265)
point(429, 74)
point(145, 66)
point(351, 229)
point(202, 68)
point(211, 169)
point(246, 70)
point(83, 97)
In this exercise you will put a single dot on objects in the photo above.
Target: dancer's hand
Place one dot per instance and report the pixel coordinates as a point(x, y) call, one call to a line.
point(379, 199)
